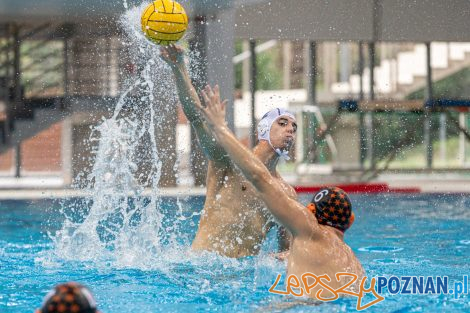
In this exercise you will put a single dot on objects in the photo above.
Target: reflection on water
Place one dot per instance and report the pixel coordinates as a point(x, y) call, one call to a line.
point(380, 249)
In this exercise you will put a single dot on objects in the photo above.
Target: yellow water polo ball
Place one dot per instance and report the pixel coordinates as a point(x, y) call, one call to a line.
point(164, 22)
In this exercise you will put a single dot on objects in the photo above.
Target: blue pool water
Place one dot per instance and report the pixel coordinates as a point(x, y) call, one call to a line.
point(402, 235)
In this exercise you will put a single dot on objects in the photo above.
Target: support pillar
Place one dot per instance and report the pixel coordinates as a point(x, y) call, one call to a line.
point(443, 137)
point(18, 161)
point(17, 93)
point(220, 42)
point(311, 154)
point(213, 44)
point(362, 131)
point(197, 66)
point(312, 73)
point(246, 68)
point(253, 80)
point(66, 151)
point(286, 64)
point(369, 118)
point(462, 142)
point(345, 62)
point(66, 67)
point(427, 111)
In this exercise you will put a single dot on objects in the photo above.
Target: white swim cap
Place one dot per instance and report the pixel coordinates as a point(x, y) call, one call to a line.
point(264, 128)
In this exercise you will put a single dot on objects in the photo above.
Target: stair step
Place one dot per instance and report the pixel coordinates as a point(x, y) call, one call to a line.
point(406, 72)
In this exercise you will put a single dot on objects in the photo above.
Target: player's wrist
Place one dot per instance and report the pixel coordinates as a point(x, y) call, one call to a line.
point(222, 127)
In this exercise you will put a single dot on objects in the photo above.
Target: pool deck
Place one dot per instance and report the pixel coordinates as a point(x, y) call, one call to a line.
point(52, 187)
point(425, 183)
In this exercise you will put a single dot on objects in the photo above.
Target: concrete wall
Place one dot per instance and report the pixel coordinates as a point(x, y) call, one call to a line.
point(85, 10)
point(424, 20)
point(220, 51)
point(306, 19)
point(394, 20)
point(367, 20)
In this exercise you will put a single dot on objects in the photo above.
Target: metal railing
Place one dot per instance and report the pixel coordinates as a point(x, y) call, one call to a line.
point(388, 141)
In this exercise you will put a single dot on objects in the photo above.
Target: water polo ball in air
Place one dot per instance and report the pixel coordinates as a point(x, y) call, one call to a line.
point(164, 22)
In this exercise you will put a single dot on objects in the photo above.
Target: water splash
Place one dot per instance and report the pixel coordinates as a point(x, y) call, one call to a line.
point(124, 223)
point(117, 223)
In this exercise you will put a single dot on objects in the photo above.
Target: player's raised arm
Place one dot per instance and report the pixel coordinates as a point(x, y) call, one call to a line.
point(174, 56)
point(294, 216)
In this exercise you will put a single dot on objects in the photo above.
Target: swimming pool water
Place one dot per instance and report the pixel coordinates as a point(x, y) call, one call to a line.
point(422, 235)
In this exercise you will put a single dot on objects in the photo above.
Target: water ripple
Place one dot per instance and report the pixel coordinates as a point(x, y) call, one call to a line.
point(380, 249)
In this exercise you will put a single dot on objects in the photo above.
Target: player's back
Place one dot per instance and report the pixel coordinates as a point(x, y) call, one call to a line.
point(323, 253)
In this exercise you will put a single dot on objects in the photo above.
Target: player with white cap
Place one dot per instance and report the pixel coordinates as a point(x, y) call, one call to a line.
point(234, 221)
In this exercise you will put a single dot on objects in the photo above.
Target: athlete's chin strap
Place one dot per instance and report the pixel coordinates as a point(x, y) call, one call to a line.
point(283, 154)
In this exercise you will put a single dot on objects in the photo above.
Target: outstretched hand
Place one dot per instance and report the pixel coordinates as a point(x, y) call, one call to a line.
point(214, 111)
point(172, 54)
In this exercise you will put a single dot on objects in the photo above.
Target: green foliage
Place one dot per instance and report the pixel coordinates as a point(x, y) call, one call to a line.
point(404, 131)
point(269, 73)
point(455, 86)
point(42, 65)
point(392, 128)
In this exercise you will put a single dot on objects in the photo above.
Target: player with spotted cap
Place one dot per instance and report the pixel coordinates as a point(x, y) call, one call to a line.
point(234, 221)
point(317, 244)
point(332, 207)
point(69, 298)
